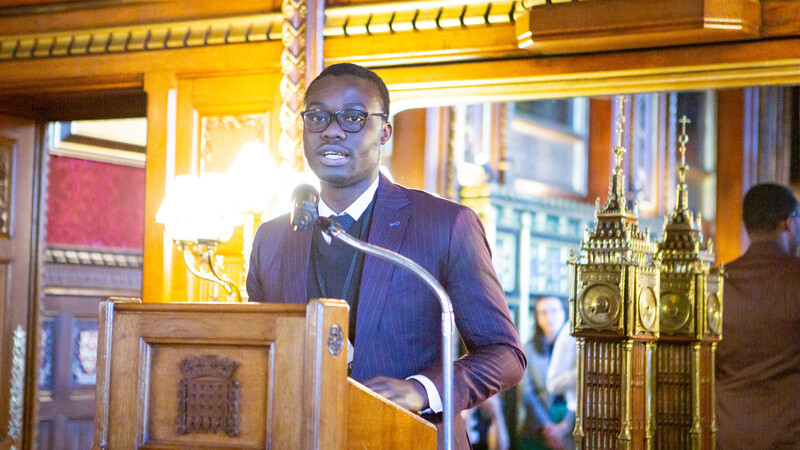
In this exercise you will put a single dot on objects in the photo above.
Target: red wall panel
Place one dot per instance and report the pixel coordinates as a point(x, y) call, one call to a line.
point(94, 204)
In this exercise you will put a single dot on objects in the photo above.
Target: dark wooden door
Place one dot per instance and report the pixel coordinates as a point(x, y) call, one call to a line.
point(17, 186)
point(65, 409)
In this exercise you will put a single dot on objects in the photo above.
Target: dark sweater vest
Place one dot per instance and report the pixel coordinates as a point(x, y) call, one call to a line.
point(332, 264)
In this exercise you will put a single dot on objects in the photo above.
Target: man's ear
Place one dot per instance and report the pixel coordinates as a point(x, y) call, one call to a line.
point(783, 225)
point(386, 133)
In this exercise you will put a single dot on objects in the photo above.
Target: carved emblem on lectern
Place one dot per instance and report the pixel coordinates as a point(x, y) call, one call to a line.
point(335, 340)
point(208, 396)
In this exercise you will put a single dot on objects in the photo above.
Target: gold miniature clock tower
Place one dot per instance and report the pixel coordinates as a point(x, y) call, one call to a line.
point(614, 305)
point(690, 322)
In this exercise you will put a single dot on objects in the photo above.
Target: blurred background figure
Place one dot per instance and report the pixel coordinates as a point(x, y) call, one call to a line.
point(547, 423)
point(562, 378)
point(486, 425)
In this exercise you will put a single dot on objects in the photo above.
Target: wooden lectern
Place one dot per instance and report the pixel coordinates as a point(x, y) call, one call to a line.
point(235, 376)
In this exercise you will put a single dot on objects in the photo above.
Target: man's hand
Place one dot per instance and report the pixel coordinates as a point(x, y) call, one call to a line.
point(410, 394)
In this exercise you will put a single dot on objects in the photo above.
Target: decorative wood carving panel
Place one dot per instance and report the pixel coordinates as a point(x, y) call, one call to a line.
point(7, 147)
point(194, 392)
point(293, 85)
point(208, 396)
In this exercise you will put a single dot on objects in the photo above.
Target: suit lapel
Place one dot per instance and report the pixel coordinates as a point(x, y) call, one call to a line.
point(387, 229)
point(294, 274)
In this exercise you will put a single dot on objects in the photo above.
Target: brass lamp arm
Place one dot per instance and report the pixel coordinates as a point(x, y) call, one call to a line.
point(448, 322)
point(214, 277)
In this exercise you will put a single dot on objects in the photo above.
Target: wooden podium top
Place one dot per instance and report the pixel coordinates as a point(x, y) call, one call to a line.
point(213, 375)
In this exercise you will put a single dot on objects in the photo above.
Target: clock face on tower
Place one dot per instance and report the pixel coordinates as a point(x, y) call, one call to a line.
point(675, 311)
point(714, 312)
point(648, 308)
point(600, 305)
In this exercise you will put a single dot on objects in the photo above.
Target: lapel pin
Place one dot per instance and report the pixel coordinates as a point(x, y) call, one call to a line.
point(394, 224)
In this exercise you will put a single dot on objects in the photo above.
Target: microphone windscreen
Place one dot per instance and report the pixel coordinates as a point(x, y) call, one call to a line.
point(305, 200)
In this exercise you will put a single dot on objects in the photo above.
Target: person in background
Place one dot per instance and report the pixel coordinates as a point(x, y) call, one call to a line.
point(547, 421)
point(758, 358)
point(562, 377)
point(486, 425)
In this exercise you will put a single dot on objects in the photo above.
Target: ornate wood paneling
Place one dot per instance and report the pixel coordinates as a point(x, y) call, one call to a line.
point(16, 324)
point(208, 396)
point(6, 181)
point(397, 17)
point(138, 38)
point(16, 400)
point(587, 25)
point(293, 83)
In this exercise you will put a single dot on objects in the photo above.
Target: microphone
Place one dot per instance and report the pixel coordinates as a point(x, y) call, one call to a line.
point(304, 213)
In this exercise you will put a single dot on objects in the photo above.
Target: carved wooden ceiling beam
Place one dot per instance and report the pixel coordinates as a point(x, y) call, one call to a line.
point(413, 32)
point(345, 21)
point(167, 36)
point(398, 17)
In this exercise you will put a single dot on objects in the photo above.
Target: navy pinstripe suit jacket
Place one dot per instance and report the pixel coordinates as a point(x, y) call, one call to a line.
point(398, 332)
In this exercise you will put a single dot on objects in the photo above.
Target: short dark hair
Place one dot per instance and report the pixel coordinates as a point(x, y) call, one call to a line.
point(355, 70)
point(766, 205)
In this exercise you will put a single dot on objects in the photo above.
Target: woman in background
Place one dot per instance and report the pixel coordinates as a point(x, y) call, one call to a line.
point(547, 424)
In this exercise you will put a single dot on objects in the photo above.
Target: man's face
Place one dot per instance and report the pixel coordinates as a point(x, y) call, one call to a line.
point(550, 315)
point(342, 159)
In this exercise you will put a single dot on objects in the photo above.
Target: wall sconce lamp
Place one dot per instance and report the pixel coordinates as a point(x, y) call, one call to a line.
point(254, 178)
point(199, 213)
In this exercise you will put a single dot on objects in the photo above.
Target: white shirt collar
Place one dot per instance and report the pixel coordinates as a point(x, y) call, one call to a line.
point(357, 208)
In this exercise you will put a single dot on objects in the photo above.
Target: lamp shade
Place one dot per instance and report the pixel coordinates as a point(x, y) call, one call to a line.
point(254, 177)
point(199, 209)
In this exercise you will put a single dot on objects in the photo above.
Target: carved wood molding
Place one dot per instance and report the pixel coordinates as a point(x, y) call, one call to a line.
point(138, 38)
point(17, 390)
point(72, 280)
point(398, 17)
point(75, 5)
point(443, 27)
point(348, 21)
point(93, 257)
point(7, 147)
point(82, 271)
point(293, 84)
point(620, 24)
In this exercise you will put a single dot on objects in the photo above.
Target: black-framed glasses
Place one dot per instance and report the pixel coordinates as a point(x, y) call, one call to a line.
point(351, 120)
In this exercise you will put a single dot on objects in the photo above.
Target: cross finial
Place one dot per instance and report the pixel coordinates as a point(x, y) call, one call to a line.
point(683, 139)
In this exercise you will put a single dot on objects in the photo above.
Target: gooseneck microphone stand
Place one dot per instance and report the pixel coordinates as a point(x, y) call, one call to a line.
point(448, 325)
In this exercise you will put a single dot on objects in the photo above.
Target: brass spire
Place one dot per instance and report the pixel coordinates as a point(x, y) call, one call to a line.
point(614, 298)
point(616, 236)
point(616, 202)
point(682, 192)
point(683, 246)
point(690, 306)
